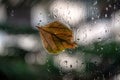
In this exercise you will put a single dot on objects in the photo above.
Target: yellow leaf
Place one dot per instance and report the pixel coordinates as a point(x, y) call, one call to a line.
point(56, 37)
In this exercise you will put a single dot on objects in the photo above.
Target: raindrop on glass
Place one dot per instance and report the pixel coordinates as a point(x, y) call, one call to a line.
point(114, 7)
point(38, 24)
point(92, 18)
point(65, 61)
point(106, 15)
point(99, 38)
point(95, 62)
point(95, 3)
point(98, 78)
point(55, 16)
point(101, 55)
point(60, 72)
point(68, 12)
point(97, 50)
point(106, 8)
point(70, 66)
point(78, 39)
point(82, 63)
point(12, 13)
point(95, 23)
point(101, 48)
point(55, 10)
point(76, 61)
point(116, 49)
point(106, 30)
point(40, 20)
point(48, 70)
point(94, 79)
point(98, 16)
point(110, 5)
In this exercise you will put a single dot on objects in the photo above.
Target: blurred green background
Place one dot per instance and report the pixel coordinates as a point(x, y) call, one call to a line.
point(96, 28)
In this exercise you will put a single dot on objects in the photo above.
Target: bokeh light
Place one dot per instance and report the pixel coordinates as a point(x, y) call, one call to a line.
point(27, 42)
point(67, 62)
point(93, 32)
point(38, 15)
point(68, 11)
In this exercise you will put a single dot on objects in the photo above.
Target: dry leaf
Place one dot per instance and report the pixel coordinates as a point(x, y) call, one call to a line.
point(56, 37)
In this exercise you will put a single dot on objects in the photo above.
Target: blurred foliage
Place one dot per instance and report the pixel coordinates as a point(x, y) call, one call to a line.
point(14, 67)
point(23, 3)
point(16, 29)
point(107, 51)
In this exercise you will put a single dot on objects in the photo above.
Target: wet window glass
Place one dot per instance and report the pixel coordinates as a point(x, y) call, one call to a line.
point(59, 40)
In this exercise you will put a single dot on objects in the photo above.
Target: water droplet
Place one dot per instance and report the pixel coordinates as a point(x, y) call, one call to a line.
point(55, 10)
point(114, 7)
point(60, 72)
point(47, 60)
point(70, 66)
point(68, 12)
point(82, 63)
point(94, 79)
point(60, 68)
point(106, 31)
point(12, 13)
point(106, 8)
point(106, 15)
point(110, 5)
point(65, 61)
point(101, 55)
point(38, 24)
point(95, 3)
point(95, 23)
point(116, 49)
point(70, 51)
point(55, 16)
point(97, 50)
point(40, 20)
point(78, 39)
point(63, 50)
point(95, 62)
point(92, 18)
point(98, 16)
point(99, 38)
point(76, 61)
point(98, 78)
point(48, 70)
point(101, 48)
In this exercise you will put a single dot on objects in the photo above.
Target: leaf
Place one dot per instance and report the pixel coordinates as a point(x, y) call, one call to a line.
point(56, 37)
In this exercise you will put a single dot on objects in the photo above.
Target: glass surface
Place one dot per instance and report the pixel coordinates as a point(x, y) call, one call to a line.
point(96, 28)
